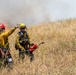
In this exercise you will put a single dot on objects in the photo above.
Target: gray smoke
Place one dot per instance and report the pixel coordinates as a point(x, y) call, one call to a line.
point(36, 11)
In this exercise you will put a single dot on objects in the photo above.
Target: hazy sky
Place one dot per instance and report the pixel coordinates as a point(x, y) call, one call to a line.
point(36, 11)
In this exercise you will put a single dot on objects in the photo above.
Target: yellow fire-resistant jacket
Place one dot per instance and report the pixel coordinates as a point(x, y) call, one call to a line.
point(5, 35)
point(18, 42)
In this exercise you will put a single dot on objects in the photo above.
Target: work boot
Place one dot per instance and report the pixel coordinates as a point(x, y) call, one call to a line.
point(31, 57)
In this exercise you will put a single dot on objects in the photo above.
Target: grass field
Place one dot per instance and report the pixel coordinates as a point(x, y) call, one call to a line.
point(56, 57)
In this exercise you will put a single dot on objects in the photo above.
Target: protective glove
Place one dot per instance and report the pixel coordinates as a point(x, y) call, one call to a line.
point(22, 49)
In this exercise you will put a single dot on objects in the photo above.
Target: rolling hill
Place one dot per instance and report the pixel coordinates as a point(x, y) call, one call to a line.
point(56, 57)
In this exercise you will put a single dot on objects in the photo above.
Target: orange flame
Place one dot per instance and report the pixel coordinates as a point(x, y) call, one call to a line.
point(6, 27)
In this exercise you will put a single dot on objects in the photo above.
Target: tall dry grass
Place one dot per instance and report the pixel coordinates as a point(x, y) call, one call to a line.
point(56, 57)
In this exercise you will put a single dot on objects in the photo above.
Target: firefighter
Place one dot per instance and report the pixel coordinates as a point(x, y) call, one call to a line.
point(4, 40)
point(23, 42)
point(4, 35)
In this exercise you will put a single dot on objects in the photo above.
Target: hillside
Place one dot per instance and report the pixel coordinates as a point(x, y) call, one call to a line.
point(56, 57)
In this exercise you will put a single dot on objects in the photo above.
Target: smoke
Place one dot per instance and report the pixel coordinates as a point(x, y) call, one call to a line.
point(36, 11)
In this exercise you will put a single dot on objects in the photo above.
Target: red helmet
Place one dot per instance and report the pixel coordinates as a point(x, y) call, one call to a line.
point(2, 26)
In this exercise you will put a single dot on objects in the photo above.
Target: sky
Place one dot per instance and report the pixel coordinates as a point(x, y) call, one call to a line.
point(36, 11)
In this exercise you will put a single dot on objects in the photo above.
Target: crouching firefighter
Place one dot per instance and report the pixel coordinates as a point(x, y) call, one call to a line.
point(22, 43)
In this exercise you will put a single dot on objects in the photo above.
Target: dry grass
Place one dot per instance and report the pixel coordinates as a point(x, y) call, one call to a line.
point(56, 57)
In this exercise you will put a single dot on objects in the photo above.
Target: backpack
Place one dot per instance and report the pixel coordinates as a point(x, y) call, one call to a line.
point(24, 39)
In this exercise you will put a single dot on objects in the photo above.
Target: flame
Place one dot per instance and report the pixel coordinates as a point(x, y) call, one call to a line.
point(6, 27)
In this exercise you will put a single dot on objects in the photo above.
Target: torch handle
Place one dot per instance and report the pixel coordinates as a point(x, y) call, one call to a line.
point(41, 43)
